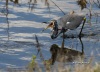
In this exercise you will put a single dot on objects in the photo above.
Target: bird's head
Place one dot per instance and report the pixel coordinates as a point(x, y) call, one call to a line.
point(53, 24)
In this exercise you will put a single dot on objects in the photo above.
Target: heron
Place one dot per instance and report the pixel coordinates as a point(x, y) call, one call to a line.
point(65, 54)
point(67, 22)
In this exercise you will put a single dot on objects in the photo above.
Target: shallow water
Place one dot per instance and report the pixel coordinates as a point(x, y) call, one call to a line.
point(24, 25)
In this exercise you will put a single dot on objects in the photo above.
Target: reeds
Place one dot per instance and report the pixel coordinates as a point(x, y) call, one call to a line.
point(78, 66)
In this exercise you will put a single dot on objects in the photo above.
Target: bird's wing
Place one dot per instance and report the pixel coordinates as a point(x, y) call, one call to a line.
point(70, 21)
point(74, 22)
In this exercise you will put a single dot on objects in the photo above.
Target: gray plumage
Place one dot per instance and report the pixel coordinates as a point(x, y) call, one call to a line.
point(70, 21)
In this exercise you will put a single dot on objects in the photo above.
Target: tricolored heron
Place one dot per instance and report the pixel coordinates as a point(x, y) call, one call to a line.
point(68, 22)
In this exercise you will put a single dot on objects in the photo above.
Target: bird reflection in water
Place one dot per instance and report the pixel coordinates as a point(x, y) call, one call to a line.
point(63, 54)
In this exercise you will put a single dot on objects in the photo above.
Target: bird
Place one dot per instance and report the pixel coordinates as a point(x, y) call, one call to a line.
point(59, 54)
point(69, 21)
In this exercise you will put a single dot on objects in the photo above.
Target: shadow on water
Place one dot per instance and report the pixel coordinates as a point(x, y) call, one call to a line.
point(63, 54)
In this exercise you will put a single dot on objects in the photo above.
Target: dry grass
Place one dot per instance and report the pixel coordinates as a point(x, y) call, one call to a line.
point(60, 68)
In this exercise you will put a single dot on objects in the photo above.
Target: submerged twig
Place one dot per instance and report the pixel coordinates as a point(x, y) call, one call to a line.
point(32, 4)
point(39, 50)
point(37, 45)
point(98, 3)
point(40, 53)
point(15, 1)
point(7, 12)
point(58, 7)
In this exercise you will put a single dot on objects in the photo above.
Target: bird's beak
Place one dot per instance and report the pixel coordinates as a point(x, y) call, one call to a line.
point(49, 26)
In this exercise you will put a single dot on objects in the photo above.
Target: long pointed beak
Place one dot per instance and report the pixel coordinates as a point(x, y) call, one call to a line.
point(50, 25)
point(44, 29)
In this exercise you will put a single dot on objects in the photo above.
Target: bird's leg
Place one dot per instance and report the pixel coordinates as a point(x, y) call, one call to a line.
point(62, 46)
point(63, 41)
point(63, 31)
point(82, 27)
point(81, 45)
point(82, 50)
